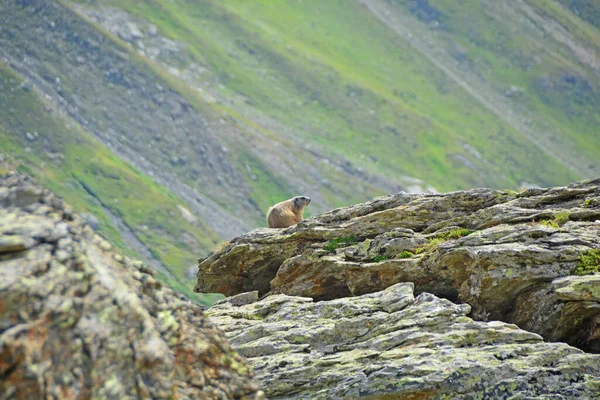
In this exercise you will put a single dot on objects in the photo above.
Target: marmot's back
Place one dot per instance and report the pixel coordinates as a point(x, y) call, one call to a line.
point(287, 213)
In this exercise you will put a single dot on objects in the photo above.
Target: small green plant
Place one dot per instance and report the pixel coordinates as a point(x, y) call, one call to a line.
point(380, 258)
point(588, 203)
point(429, 245)
point(455, 233)
point(440, 238)
point(335, 243)
point(550, 223)
point(561, 218)
point(589, 263)
point(405, 254)
point(557, 220)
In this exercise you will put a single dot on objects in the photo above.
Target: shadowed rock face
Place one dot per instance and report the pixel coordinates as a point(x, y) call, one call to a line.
point(510, 256)
point(79, 320)
point(390, 345)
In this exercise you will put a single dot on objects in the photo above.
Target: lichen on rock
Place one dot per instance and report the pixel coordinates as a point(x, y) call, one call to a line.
point(495, 250)
point(390, 344)
point(80, 320)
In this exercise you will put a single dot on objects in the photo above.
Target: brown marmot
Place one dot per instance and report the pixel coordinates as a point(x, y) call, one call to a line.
point(287, 213)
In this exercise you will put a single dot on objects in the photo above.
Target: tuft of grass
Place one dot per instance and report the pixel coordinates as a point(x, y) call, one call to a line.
point(333, 244)
point(557, 220)
point(405, 254)
point(561, 218)
point(383, 257)
point(433, 243)
point(589, 203)
point(589, 263)
point(455, 234)
point(549, 222)
point(380, 258)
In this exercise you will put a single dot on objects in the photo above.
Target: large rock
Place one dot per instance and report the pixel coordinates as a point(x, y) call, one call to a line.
point(390, 345)
point(505, 253)
point(80, 320)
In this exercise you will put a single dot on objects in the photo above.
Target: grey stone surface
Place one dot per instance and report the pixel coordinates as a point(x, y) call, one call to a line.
point(504, 253)
point(391, 345)
point(78, 319)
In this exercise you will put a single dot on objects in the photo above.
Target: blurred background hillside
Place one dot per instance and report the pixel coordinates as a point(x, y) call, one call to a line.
point(175, 124)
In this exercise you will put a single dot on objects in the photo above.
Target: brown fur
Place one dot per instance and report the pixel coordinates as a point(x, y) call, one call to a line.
point(287, 213)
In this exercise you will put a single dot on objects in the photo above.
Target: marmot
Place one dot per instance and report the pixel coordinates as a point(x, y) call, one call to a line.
point(287, 213)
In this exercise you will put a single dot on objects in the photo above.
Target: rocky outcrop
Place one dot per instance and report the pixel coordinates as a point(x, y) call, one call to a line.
point(78, 319)
point(512, 256)
point(390, 345)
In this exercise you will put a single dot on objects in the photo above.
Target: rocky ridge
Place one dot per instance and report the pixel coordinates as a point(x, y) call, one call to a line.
point(78, 319)
point(511, 256)
point(390, 345)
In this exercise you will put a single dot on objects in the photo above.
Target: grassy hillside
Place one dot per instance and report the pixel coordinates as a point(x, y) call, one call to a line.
point(340, 79)
point(557, 85)
point(588, 10)
point(88, 176)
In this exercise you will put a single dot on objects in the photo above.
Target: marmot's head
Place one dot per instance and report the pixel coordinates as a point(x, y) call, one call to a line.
point(300, 202)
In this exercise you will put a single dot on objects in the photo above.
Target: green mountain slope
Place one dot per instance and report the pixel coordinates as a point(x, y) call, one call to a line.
point(341, 80)
point(535, 53)
point(218, 109)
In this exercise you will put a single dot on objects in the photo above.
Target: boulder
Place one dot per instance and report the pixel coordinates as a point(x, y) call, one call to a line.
point(79, 319)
